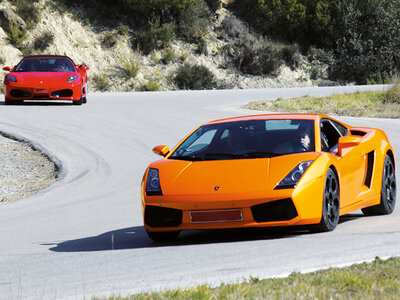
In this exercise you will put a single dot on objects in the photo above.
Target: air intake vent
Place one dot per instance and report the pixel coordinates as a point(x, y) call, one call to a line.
point(20, 94)
point(370, 167)
point(281, 210)
point(155, 216)
point(357, 132)
point(62, 93)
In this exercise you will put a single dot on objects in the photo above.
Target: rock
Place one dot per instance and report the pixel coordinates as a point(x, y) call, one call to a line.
point(7, 17)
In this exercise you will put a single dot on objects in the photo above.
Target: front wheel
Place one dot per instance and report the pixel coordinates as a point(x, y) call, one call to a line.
point(165, 236)
point(330, 203)
point(78, 102)
point(388, 191)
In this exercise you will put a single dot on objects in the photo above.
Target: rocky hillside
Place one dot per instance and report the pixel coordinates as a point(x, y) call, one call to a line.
point(227, 54)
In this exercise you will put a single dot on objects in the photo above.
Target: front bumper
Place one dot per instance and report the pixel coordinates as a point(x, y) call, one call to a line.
point(65, 92)
point(299, 206)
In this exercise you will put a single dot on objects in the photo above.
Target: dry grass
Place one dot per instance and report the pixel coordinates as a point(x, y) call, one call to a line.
point(360, 104)
point(377, 280)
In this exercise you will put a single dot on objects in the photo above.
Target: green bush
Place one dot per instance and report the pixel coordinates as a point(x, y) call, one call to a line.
point(28, 11)
point(43, 41)
point(202, 47)
point(168, 55)
point(196, 77)
point(130, 67)
point(101, 82)
point(311, 22)
point(193, 21)
point(16, 36)
point(150, 86)
point(256, 57)
point(369, 42)
point(213, 4)
point(393, 94)
point(109, 39)
point(123, 30)
point(156, 37)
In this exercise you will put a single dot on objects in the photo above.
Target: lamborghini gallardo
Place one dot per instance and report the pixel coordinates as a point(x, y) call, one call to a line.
point(268, 170)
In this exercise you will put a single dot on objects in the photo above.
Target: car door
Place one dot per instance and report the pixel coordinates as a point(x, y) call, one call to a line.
point(351, 165)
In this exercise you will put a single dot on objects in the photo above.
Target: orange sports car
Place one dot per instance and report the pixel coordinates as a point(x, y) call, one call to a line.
point(268, 170)
point(46, 77)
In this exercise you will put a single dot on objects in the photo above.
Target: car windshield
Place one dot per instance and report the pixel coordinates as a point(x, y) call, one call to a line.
point(247, 139)
point(50, 64)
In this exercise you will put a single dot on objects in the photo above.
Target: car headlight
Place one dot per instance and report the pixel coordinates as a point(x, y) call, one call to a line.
point(294, 176)
point(12, 78)
point(153, 187)
point(72, 78)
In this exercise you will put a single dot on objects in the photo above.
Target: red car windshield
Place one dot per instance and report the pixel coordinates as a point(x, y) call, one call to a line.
point(50, 64)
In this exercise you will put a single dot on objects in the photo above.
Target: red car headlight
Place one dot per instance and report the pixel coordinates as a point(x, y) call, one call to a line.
point(12, 78)
point(72, 78)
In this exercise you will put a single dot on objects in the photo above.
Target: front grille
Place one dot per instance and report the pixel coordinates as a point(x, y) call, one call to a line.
point(20, 94)
point(280, 210)
point(155, 216)
point(62, 93)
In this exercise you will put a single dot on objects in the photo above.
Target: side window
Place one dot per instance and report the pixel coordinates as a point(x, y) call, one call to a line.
point(329, 136)
point(340, 127)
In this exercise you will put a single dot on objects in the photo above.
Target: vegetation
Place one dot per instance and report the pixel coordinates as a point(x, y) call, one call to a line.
point(168, 55)
point(379, 279)
point(28, 11)
point(101, 82)
point(109, 39)
point(155, 37)
point(195, 78)
point(43, 41)
point(150, 86)
point(384, 104)
point(16, 36)
point(130, 67)
point(363, 35)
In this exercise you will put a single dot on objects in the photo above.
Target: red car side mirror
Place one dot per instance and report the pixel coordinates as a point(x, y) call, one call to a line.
point(83, 67)
point(7, 69)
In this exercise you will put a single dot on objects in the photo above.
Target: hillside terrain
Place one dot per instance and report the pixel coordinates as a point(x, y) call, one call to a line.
point(117, 65)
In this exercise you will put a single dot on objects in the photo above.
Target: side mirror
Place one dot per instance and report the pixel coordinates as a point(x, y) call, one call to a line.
point(162, 150)
point(7, 69)
point(347, 142)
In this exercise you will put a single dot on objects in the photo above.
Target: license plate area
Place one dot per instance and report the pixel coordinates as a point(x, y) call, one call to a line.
point(207, 216)
point(41, 91)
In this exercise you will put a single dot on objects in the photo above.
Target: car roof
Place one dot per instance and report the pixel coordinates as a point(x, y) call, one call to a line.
point(48, 56)
point(270, 117)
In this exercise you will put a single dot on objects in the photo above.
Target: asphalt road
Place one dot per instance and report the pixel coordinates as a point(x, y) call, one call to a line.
point(84, 235)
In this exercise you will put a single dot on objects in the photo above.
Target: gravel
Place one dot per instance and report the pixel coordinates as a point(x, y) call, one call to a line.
point(24, 170)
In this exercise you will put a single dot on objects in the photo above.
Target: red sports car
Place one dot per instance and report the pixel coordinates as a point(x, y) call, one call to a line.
point(46, 77)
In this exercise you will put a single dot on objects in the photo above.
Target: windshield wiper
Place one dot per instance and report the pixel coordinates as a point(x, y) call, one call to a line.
point(257, 154)
point(187, 157)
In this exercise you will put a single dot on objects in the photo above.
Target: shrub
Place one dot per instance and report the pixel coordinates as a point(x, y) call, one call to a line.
point(393, 94)
point(193, 21)
point(109, 39)
point(101, 82)
point(16, 36)
point(28, 11)
point(156, 37)
point(130, 67)
point(150, 86)
point(369, 42)
point(123, 30)
point(202, 47)
point(2, 61)
point(196, 77)
point(256, 56)
point(291, 55)
point(213, 4)
point(168, 56)
point(43, 41)
point(306, 21)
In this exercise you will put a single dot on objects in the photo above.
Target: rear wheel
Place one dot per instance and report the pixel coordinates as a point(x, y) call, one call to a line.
point(331, 203)
point(165, 236)
point(388, 191)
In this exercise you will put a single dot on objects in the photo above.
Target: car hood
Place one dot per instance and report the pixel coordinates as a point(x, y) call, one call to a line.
point(35, 79)
point(179, 177)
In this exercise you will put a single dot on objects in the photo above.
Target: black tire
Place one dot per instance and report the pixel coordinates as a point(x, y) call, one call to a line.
point(330, 203)
point(84, 100)
point(388, 191)
point(78, 102)
point(166, 236)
